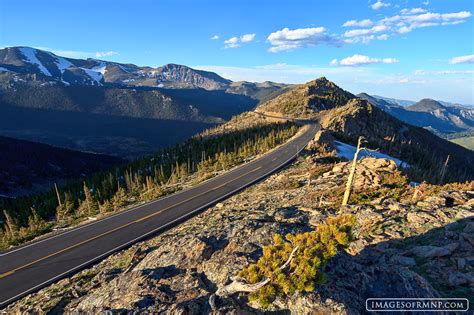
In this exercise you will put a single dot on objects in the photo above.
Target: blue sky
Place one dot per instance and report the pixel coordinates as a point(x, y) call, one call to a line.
point(402, 49)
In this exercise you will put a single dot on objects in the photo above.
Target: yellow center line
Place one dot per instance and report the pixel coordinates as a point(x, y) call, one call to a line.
point(5, 274)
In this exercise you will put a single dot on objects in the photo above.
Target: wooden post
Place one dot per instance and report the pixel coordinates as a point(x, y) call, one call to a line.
point(350, 179)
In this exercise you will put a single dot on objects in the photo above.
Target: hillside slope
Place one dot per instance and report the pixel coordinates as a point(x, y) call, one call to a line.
point(27, 167)
point(416, 146)
point(129, 102)
point(349, 117)
point(180, 270)
point(305, 100)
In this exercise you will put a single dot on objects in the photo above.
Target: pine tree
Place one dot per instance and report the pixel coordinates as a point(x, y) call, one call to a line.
point(120, 198)
point(10, 225)
point(35, 222)
point(90, 201)
point(65, 208)
point(294, 264)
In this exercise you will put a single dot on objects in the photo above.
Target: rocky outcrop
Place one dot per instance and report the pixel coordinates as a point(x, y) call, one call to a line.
point(394, 253)
point(424, 151)
point(308, 99)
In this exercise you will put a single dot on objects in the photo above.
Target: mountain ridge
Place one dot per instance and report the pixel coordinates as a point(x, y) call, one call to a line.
point(32, 64)
point(433, 115)
point(347, 117)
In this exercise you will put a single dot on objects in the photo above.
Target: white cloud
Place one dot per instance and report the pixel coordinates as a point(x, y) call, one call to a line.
point(232, 42)
point(247, 38)
point(287, 40)
point(235, 41)
point(462, 59)
point(413, 11)
point(403, 23)
point(100, 54)
point(215, 37)
point(366, 31)
point(361, 23)
point(360, 60)
point(379, 4)
point(409, 22)
point(442, 72)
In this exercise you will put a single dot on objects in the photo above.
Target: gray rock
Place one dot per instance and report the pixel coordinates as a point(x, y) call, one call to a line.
point(469, 228)
point(434, 251)
point(456, 279)
point(461, 263)
point(402, 260)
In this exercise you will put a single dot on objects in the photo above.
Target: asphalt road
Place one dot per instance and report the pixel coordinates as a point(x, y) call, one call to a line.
point(28, 268)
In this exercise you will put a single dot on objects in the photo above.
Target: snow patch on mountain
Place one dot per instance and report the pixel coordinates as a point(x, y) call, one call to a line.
point(61, 62)
point(101, 68)
point(4, 69)
point(123, 68)
point(347, 151)
point(30, 55)
point(94, 75)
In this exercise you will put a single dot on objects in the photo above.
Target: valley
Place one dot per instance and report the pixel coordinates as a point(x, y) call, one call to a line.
point(467, 142)
point(110, 108)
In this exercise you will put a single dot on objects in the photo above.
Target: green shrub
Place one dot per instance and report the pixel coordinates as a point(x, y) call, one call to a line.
point(314, 249)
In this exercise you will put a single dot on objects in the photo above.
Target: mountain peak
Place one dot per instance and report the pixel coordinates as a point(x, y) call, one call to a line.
point(321, 79)
point(307, 99)
point(426, 105)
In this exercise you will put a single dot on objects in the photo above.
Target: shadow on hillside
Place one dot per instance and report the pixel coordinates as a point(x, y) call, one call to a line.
point(373, 274)
point(127, 137)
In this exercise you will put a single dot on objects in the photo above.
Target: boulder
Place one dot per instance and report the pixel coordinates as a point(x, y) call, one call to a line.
point(429, 251)
point(403, 260)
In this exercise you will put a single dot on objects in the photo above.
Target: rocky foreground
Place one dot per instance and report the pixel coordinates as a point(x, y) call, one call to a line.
point(409, 242)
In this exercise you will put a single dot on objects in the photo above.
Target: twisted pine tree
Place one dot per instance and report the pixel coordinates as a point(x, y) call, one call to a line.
point(294, 264)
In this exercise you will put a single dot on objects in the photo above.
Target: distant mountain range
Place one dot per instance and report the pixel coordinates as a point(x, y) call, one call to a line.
point(409, 102)
point(28, 63)
point(394, 100)
point(443, 119)
point(112, 108)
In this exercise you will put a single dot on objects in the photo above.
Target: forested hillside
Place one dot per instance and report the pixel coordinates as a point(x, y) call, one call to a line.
point(144, 179)
point(27, 167)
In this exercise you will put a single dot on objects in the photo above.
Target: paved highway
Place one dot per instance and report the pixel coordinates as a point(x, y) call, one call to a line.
point(28, 268)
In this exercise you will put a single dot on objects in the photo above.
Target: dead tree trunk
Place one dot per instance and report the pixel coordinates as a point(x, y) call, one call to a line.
point(443, 170)
point(350, 179)
point(57, 194)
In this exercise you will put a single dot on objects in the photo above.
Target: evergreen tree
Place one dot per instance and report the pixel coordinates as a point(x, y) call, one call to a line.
point(90, 201)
